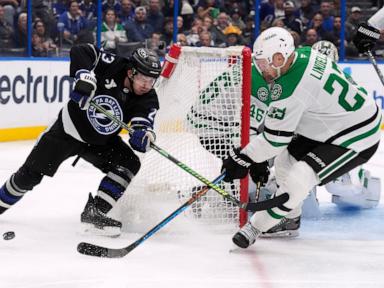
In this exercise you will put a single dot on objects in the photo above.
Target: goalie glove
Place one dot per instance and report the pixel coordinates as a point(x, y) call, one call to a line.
point(85, 88)
point(141, 139)
point(366, 38)
point(236, 165)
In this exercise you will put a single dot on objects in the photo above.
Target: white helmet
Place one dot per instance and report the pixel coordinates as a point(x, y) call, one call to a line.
point(327, 48)
point(271, 41)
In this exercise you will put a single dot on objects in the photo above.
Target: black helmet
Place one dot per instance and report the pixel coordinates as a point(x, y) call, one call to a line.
point(146, 62)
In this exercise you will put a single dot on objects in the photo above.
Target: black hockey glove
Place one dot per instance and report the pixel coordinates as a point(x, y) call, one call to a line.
point(260, 172)
point(236, 165)
point(85, 87)
point(141, 139)
point(366, 38)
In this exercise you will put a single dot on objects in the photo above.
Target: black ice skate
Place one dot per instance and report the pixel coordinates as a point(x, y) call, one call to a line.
point(97, 222)
point(286, 228)
point(246, 236)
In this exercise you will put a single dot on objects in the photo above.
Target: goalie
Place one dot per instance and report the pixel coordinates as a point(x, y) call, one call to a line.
point(336, 127)
point(124, 87)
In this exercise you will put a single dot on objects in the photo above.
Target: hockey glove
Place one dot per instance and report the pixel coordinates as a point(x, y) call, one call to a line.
point(141, 139)
point(236, 165)
point(259, 172)
point(85, 87)
point(366, 38)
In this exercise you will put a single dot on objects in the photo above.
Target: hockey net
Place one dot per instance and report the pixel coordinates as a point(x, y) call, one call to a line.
point(204, 112)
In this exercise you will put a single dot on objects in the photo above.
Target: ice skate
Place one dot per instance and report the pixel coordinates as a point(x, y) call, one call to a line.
point(286, 228)
point(97, 222)
point(246, 236)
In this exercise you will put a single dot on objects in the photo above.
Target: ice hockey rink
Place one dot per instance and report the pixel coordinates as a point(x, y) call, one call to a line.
point(341, 249)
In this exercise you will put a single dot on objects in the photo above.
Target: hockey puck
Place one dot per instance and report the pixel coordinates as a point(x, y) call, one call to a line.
point(9, 235)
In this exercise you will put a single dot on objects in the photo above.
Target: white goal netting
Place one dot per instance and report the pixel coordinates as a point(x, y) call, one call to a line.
point(199, 120)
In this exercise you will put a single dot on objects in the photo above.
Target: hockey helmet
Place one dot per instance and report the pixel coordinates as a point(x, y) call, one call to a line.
point(146, 62)
point(327, 48)
point(271, 41)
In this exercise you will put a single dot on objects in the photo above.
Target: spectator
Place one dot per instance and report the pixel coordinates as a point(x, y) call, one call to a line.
point(139, 29)
point(155, 17)
point(21, 33)
point(207, 8)
point(48, 47)
point(291, 21)
point(306, 11)
point(205, 39)
point(37, 46)
point(127, 12)
point(354, 20)
point(350, 49)
point(193, 36)
point(111, 4)
point(326, 11)
point(156, 44)
point(6, 31)
point(296, 38)
point(233, 36)
point(73, 22)
point(168, 8)
point(180, 24)
point(249, 31)
point(59, 7)
point(311, 37)
point(89, 11)
point(182, 39)
point(236, 19)
point(267, 11)
point(187, 13)
point(10, 8)
point(278, 22)
point(217, 30)
point(317, 24)
point(168, 32)
point(111, 31)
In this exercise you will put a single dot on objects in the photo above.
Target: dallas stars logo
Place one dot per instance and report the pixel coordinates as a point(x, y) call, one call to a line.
point(262, 93)
point(276, 91)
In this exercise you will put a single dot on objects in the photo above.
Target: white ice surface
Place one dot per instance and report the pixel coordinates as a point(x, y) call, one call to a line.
point(342, 249)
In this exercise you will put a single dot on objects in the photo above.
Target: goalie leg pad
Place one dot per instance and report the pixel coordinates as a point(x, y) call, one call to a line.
point(369, 197)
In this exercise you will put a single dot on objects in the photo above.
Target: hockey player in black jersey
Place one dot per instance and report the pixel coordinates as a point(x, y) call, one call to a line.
point(122, 86)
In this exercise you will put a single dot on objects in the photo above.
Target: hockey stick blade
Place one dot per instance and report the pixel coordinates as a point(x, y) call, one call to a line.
point(103, 252)
point(99, 251)
point(267, 204)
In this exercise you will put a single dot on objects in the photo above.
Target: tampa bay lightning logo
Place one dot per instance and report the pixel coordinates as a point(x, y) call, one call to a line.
point(101, 122)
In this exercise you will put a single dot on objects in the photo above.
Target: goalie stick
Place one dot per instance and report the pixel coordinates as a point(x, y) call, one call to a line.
point(99, 251)
point(251, 207)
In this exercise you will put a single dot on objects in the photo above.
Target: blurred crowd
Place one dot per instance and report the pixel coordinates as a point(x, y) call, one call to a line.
point(128, 24)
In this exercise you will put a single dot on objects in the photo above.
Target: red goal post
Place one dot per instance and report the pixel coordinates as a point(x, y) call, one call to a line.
point(204, 112)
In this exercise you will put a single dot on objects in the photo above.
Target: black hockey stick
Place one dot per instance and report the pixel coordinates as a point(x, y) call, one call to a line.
point(99, 251)
point(252, 207)
point(374, 63)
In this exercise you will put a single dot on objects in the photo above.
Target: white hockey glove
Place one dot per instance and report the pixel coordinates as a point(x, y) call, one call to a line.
point(85, 88)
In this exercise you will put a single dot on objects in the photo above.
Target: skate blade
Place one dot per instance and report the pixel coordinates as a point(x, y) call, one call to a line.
point(281, 234)
point(108, 231)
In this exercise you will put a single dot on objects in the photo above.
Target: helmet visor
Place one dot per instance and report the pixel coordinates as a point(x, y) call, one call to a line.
point(144, 80)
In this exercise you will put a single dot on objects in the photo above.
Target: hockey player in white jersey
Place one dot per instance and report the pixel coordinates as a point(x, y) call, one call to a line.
point(336, 126)
point(355, 189)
